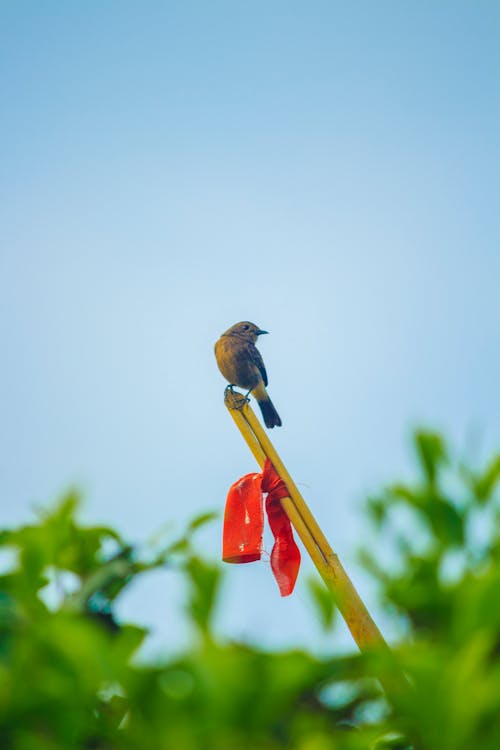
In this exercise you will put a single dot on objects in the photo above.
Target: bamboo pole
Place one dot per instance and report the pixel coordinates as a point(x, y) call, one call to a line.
point(361, 625)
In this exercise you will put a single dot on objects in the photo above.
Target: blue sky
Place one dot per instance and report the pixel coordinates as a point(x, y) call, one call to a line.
point(327, 170)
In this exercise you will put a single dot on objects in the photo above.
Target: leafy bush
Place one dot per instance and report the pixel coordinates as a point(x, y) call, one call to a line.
point(70, 677)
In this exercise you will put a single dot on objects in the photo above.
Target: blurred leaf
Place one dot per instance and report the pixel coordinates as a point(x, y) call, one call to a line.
point(445, 520)
point(431, 452)
point(377, 508)
point(202, 519)
point(484, 485)
point(204, 581)
point(323, 600)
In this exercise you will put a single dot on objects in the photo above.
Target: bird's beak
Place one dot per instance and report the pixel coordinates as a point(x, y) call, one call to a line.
point(259, 333)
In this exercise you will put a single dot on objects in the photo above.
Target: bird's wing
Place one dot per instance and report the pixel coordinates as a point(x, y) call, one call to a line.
point(258, 362)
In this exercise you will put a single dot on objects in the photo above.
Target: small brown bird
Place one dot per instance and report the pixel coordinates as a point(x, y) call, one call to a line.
point(240, 362)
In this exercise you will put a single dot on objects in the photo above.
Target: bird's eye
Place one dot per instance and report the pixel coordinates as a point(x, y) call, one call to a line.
point(245, 328)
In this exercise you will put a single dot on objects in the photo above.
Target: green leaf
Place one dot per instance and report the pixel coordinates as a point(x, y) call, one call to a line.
point(431, 452)
point(322, 598)
point(485, 484)
point(447, 522)
point(204, 581)
point(202, 519)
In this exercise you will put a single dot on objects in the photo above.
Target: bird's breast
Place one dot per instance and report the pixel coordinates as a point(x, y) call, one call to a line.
point(235, 362)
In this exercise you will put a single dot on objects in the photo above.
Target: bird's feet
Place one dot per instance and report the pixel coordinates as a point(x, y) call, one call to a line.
point(230, 389)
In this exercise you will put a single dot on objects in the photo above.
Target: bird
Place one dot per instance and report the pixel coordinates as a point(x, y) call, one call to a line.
point(241, 363)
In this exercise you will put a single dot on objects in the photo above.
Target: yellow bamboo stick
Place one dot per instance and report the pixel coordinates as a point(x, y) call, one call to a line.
point(235, 402)
point(361, 625)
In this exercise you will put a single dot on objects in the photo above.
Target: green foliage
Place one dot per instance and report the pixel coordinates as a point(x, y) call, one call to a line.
point(446, 585)
point(70, 677)
point(323, 602)
point(204, 582)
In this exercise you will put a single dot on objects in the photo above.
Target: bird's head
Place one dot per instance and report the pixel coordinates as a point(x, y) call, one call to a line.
point(245, 330)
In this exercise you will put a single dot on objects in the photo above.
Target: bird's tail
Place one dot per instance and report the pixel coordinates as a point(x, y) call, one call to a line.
point(271, 416)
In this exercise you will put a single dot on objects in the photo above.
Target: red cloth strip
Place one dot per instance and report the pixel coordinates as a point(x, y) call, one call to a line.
point(243, 521)
point(243, 526)
point(285, 555)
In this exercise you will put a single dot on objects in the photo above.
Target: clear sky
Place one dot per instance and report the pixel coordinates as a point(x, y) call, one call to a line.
point(328, 170)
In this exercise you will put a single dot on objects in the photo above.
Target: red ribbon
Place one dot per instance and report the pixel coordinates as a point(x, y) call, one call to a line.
point(244, 524)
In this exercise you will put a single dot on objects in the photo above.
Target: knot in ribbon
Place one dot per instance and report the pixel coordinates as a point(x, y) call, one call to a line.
point(244, 525)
